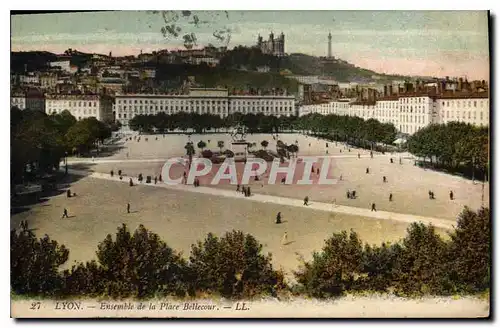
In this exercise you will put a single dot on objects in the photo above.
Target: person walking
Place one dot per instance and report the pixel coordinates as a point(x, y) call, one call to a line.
point(306, 200)
point(353, 194)
point(451, 195)
point(112, 173)
point(373, 207)
point(367, 170)
point(278, 218)
point(159, 178)
point(359, 156)
point(384, 179)
point(128, 208)
point(130, 182)
point(249, 193)
point(348, 194)
point(371, 154)
point(244, 190)
point(390, 197)
point(238, 187)
point(65, 214)
point(392, 161)
point(156, 180)
point(340, 177)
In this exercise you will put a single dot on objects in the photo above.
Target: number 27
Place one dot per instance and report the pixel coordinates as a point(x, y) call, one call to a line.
point(35, 306)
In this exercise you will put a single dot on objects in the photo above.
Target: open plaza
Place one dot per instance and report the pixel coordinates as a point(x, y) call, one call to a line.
point(184, 214)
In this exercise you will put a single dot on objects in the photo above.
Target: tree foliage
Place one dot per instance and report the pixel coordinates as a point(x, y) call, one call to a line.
point(233, 266)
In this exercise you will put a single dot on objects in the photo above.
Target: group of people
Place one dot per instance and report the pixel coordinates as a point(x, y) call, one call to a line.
point(351, 194)
point(245, 190)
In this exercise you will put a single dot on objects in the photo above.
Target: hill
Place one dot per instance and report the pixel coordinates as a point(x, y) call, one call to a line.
point(301, 64)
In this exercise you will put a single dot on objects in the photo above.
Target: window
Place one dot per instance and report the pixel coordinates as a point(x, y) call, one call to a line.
point(481, 115)
point(475, 103)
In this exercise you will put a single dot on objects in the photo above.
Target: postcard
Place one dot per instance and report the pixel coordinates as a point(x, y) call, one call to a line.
point(250, 164)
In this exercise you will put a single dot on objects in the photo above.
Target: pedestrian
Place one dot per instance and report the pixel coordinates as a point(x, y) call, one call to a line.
point(119, 172)
point(400, 161)
point(341, 150)
point(384, 179)
point(156, 179)
point(373, 207)
point(367, 170)
point(278, 218)
point(327, 151)
point(359, 156)
point(353, 194)
point(306, 201)
point(68, 193)
point(349, 149)
point(244, 190)
point(130, 182)
point(112, 173)
point(371, 154)
point(248, 191)
point(432, 195)
point(392, 161)
point(238, 187)
point(283, 180)
point(284, 240)
point(65, 214)
point(451, 195)
point(159, 178)
point(348, 194)
point(121, 177)
point(390, 197)
point(128, 208)
point(340, 177)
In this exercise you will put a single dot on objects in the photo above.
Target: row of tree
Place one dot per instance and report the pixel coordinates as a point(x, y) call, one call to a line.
point(343, 128)
point(201, 123)
point(40, 141)
point(351, 129)
point(141, 265)
point(452, 145)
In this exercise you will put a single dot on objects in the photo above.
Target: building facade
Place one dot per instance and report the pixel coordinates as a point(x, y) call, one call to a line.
point(411, 112)
point(80, 106)
point(201, 101)
point(273, 46)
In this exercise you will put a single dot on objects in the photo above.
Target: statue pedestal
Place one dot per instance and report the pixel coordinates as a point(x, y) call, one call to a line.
point(240, 149)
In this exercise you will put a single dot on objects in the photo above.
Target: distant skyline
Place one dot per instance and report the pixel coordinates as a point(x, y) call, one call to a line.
point(430, 43)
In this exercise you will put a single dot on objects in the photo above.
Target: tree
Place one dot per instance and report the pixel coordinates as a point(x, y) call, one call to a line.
point(34, 264)
point(220, 144)
point(420, 265)
point(201, 144)
point(264, 144)
point(470, 251)
point(140, 265)
point(334, 270)
point(233, 266)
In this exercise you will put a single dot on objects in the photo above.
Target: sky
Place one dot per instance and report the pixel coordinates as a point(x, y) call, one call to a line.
point(428, 43)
